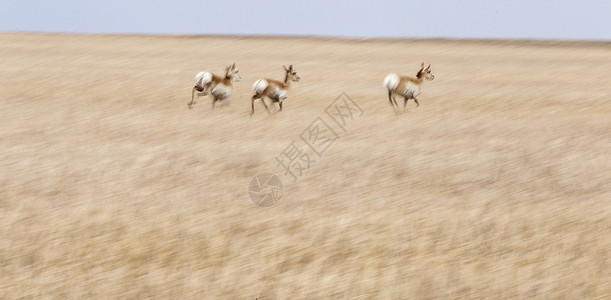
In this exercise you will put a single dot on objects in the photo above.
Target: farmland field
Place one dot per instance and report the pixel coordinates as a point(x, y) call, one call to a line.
point(497, 186)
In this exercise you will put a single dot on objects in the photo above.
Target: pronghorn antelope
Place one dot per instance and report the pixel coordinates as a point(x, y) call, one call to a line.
point(406, 86)
point(219, 87)
point(276, 90)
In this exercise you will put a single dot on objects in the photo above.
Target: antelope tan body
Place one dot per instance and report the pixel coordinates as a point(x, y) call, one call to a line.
point(276, 90)
point(220, 88)
point(406, 86)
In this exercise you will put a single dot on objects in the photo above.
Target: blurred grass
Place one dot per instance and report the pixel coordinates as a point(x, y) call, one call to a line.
point(497, 186)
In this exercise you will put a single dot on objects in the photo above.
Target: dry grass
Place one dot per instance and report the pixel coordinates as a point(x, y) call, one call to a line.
point(497, 186)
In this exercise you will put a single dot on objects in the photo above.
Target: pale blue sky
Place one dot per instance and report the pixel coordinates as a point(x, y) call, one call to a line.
point(520, 19)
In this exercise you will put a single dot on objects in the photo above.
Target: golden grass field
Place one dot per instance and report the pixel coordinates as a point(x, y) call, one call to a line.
point(497, 186)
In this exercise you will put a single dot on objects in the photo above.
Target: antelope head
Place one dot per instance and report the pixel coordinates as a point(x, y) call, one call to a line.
point(291, 74)
point(426, 72)
point(232, 72)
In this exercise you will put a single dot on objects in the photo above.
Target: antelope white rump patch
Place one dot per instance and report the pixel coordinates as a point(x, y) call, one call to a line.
point(202, 78)
point(259, 86)
point(391, 81)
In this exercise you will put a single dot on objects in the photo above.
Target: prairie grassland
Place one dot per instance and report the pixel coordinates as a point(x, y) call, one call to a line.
point(497, 186)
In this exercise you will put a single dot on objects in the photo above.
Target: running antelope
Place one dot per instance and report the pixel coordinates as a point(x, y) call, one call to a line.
point(406, 86)
point(273, 89)
point(220, 88)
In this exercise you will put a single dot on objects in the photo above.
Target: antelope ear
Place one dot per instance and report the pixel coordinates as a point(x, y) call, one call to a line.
point(291, 68)
point(429, 67)
point(285, 68)
point(422, 65)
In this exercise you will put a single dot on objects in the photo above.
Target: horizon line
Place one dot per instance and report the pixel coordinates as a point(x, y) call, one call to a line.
point(318, 37)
